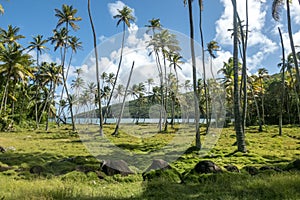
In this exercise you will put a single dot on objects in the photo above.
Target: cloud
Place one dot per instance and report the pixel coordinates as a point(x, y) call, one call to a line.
point(295, 10)
point(260, 45)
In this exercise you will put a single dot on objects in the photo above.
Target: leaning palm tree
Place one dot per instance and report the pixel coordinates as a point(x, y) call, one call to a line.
point(277, 4)
point(98, 96)
point(125, 17)
point(38, 43)
point(194, 70)
point(67, 17)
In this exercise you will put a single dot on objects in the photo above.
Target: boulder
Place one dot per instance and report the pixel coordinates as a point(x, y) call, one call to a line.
point(296, 164)
point(5, 168)
point(206, 166)
point(232, 168)
point(112, 167)
point(2, 149)
point(36, 169)
point(269, 168)
point(251, 170)
point(158, 164)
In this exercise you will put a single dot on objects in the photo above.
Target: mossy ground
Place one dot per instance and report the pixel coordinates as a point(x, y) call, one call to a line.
point(65, 169)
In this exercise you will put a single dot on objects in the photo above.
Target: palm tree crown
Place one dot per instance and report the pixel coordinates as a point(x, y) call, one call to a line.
point(125, 15)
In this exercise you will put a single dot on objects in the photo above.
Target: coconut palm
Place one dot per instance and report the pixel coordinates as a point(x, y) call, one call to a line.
point(10, 35)
point(66, 17)
point(240, 135)
point(119, 92)
point(212, 47)
point(277, 4)
point(37, 44)
point(15, 66)
point(192, 43)
point(75, 44)
point(97, 70)
point(154, 24)
point(125, 17)
point(149, 82)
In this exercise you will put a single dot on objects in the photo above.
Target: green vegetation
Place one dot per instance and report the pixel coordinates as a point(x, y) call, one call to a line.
point(56, 165)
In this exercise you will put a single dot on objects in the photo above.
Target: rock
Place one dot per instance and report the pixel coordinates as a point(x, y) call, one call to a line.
point(112, 167)
point(251, 170)
point(2, 149)
point(158, 164)
point(296, 164)
point(36, 169)
point(206, 166)
point(232, 168)
point(4, 168)
point(264, 168)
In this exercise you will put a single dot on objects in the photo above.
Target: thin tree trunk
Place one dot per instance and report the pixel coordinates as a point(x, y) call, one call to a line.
point(206, 93)
point(292, 44)
point(282, 83)
point(237, 104)
point(118, 71)
point(196, 96)
point(116, 132)
point(97, 70)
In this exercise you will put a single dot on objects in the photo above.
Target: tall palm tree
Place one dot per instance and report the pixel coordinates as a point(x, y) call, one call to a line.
point(98, 96)
point(119, 92)
point(262, 76)
point(194, 70)
point(125, 17)
point(240, 135)
point(67, 17)
point(38, 43)
point(277, 4)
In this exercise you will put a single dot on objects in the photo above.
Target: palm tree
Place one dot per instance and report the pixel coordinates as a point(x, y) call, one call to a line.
point(149, 82)
point(1, 10)
point(116, 132)
point(97, 70)
point(277, 4)
point(154, 24)
point(66, 17)
point(212, 47)
point(240, 135)
point(262, 75)
point(75, 45)
point(125, 17)
point(196, 96)
point(11, 35)
point(14, 66)
point(38, 44)
point(119, 92)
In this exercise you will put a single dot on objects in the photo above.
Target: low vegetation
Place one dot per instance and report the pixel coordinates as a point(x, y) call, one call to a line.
point(57, 165)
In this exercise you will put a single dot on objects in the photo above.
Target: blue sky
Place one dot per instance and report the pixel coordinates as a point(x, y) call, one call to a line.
point(37, 17)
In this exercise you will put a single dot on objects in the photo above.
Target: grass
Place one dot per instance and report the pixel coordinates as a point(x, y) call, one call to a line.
point(58, 165)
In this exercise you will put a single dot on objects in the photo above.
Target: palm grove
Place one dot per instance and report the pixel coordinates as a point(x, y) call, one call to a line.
point(33, 92)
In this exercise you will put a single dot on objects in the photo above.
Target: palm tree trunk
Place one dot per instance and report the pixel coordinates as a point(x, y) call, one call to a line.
point(282, 82)
point(118, 71)
point(97, 70)
point(237, 104)
point(292, 44)
point(116, 132)
point(206, 93)
point(196, 99)
point(36, 92)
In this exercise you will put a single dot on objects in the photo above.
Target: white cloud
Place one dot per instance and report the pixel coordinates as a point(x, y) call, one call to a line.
point(295, 10)
point(260, 45)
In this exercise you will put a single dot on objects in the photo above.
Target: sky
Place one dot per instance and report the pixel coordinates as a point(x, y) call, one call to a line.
point(38, 17)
